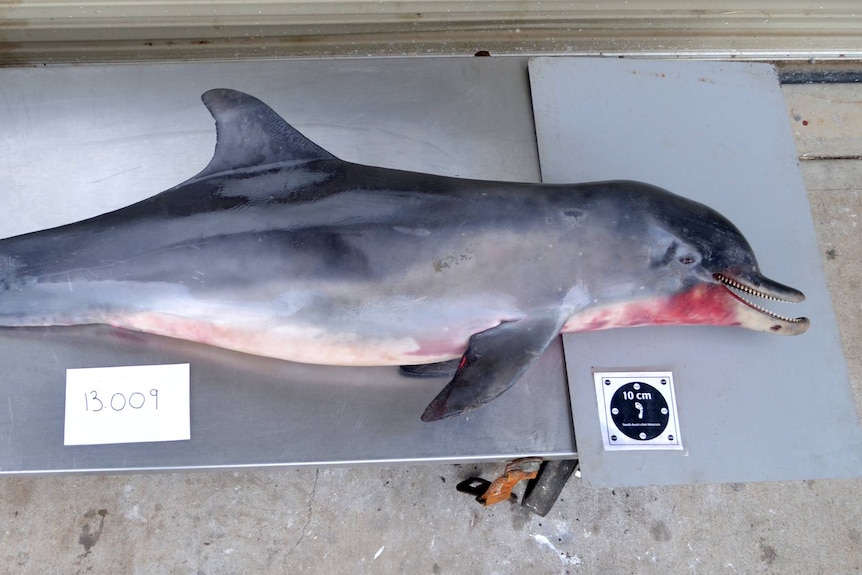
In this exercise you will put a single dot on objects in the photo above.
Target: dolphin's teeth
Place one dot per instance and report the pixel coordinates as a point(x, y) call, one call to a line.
point(751, 291)
point(731, 283)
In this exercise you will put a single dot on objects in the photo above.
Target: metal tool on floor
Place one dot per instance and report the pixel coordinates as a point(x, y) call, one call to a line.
point(546, 481)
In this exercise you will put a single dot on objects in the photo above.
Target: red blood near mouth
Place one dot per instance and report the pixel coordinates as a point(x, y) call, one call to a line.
point(705, 304)
point(702, 305)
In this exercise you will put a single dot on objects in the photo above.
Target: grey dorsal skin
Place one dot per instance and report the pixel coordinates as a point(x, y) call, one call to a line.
point(278, 248)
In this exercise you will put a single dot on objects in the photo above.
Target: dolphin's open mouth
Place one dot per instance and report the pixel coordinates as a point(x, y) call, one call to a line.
point(771, 291)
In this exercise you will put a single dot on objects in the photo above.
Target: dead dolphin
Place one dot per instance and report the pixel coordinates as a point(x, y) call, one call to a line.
point(278, 248)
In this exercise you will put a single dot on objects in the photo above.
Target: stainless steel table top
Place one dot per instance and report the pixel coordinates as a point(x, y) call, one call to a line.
point(78, 141)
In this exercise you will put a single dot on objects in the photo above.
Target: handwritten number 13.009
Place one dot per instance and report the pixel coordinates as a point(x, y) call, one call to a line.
point(120, 401)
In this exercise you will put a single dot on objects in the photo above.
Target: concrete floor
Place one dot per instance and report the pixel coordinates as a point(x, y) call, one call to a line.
point(411, 519)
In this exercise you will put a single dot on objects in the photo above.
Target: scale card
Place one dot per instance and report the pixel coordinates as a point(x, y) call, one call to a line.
point(637, 410)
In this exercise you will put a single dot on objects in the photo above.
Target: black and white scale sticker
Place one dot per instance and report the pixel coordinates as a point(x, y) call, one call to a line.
point(637, 410)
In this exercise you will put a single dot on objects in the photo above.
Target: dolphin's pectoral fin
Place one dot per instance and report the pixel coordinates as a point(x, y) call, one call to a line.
point(493, 362)
point(438, 369)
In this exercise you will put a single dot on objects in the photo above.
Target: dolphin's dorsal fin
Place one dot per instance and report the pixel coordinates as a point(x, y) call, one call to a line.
point(249, 133)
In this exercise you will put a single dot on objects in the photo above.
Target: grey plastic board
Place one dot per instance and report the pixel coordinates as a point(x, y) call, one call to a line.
point(752, 406)
point(79, 141)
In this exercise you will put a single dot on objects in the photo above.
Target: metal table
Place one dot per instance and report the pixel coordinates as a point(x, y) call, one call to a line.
point(752, 406)
point(79, 141)
point(75, 142)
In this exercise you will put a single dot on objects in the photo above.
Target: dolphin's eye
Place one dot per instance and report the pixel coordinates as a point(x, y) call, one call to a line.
point(684, 254)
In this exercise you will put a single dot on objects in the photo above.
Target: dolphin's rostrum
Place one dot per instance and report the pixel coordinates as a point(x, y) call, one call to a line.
point(278, 248)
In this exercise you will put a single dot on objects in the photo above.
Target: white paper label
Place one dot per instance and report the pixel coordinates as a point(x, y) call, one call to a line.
point(129, 404)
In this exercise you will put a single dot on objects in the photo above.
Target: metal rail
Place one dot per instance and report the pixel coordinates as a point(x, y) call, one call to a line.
point(35, 32)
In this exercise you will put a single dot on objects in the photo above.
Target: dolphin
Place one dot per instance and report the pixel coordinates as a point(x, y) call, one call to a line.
point(280, 249)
